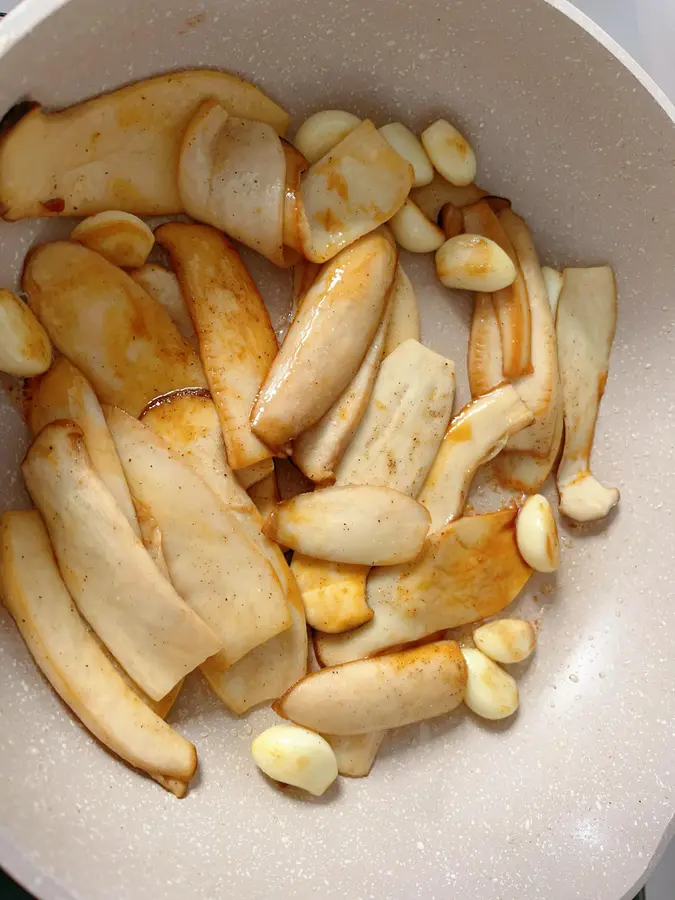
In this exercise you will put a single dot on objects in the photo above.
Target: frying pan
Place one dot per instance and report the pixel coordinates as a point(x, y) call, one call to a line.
point(575, 798)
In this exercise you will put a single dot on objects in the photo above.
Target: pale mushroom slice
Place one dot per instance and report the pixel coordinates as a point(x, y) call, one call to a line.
point(214, 563)
point(405, 314)
point(188, 422)
point(356, 753)
point(585, 323)
point(71, 659)
point(232, 175)
point(484, 359)
point(433, 196)
point(64, 393)
point(305, 274)
point(524, 473)
point(511, 304)
point(237, 343)
point(474, 434)
point(541, 389)
point(265, 494)
point(359, 184)
point(294, 224)
point(124, 239)
point(327, 340)
point(333, 594)
point(251, 475)
point(133, 609)
point(371, 695)
point(119, 150)
point(362, 525)
point(163, 286)
point(121, 340)
point(25, 349)
point(469, 570)
point(553, 279)
point(317, 451)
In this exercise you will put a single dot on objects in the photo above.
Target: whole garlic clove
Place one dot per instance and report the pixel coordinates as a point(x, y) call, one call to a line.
point(409, 146)
point(490, 691)
point(297, 756)
point(537, 534)
point(324, 130)
point(471, 262)
point(413, 231)
point(450, 153)
point(506, 640)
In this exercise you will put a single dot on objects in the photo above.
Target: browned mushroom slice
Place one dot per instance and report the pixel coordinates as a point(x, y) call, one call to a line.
point(433, 196)
point(405, 314)
point(117, 335)
point(237, 343)
point(119, 150)
point(253, 474)
point(163, 286)
point(265, 494)
point(334, 594)
point(469, 570)
point(73, 662)
point(484, 360)
point(355, 753)
point(522, 472)
point(294, 229)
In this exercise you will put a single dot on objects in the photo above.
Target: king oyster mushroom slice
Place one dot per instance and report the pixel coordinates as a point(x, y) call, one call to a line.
point(135, 611)
point(378, 694)
point(26, 349)
point(553, 279)
point(213, 562)
point(359, 184)
point(521, 472)
point(72, 660)
point(405, 314)
point(255, 473)
point(294, 224)
point(119, 150)
point(333, 594)
point(433, 196)
point(232, 175)
point(586, 322)
point(371, 526)
point(473, 435)
point(265, 494)
point(117, 335)
point(484, 358)
point(511, 304)
point(338, 320)
point(163, 286)
point(469, 570)
point(355, 753)
point(317, 451)
point(237, 343)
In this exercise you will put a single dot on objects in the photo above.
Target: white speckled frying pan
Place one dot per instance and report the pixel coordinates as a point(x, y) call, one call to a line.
point(575, 798)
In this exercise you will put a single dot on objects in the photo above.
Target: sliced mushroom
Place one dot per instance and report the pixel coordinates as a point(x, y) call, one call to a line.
point(358, 185)
point(377, 694)
point(355, 753)
point(25, 349)
point(117, 335)
point(432, 197)
point(511, 304)
point(124, 239)
point(469, 570)
point(451, 221)
point(295, 224)
point(265, 494)
point(541, 389)
point(253, 474)
point(337, 321)
point(188, 422)
point(521, 472)
point(71, 659)
point(237, 343)
point(232, 175)
point(164, 287)
point(305, 274)
point(586, 322)
point(553, 280)
point(473, 434)
point(333, 594)
point(213, 562)
point(135, 611)
point(484, 360)
point(370, 526)
point(119, 150)
point(317, 451)
point(405, 314)
point(64, 393)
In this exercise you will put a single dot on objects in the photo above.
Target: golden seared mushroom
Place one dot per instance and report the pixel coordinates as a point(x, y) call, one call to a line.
point(265, 494)
point(25, 349)
point(117, 335)
point(585, 324)
point(251, 475)
point(304, 275)
point(237, 343)
point(451, 221)
point(405, 314)
point(525, 473)
point(295, 224)
point(484, 358)
point(119, 150)
point(317, 451)
point(213, 562)
point(232, 175)
point(122, 238)
point(188, 422)
point(474, 435)
point(133, 609)
point(338, 320)
point(433, 197)
point(71, 659)
point(355, 753)
point(163, 286)
point(358, 185)
point(333, 594)
point(377, 694)
point(322, 131)
point(370, 526)
point(469, 570)
point(511, 303)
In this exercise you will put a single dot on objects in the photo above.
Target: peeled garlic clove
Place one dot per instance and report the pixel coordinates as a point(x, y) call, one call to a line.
point(296, 756)
point(324, 130)
point(123, 239)
point(450, 153)
point(490, 691)
point(470, 262)
point(25, 349)
point(537, 535)
point(413, 231)
point(506, 640)
point(409, 146)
